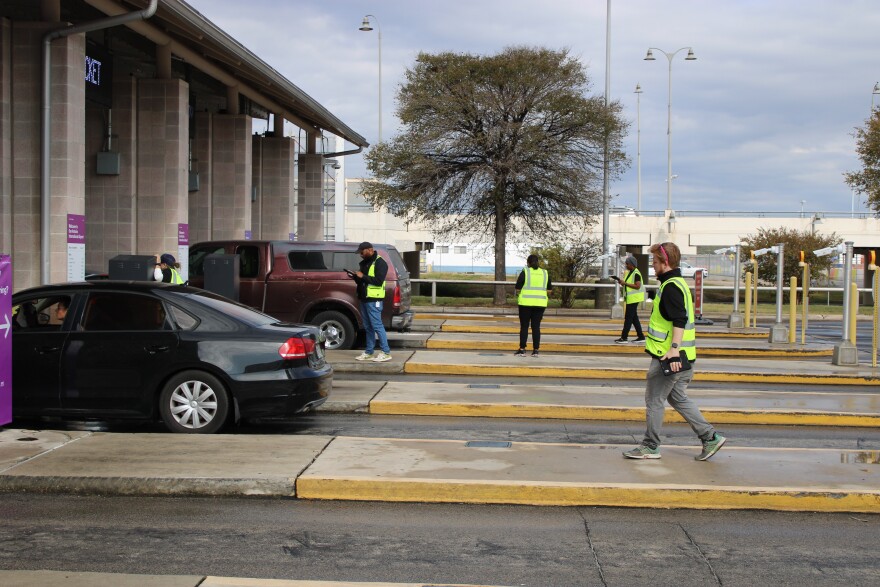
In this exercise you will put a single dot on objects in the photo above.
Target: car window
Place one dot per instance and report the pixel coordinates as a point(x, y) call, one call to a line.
point(233, 309)
point(343, 261)
point(310, 260)
point(197, 258)
point(123, 311)
point(40, 314)
point(183, 319)
point(248, 260)
point(397, 261)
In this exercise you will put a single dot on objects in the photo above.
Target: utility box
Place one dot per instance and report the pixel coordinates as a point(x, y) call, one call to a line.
point(132, 267)
point(222, 275)
point(109, 163)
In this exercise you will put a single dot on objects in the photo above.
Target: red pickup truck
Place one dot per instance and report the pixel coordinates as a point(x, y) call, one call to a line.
point(306, 282)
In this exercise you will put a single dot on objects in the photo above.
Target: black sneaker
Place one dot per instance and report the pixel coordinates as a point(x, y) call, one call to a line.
point(520, 353)
point(536, 354)
point(638, 340)
point(622, 341)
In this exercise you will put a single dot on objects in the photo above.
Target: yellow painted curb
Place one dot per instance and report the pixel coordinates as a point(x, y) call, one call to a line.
point(617, 349)
point(585, 331)
point(557, 412)
point(567, 494)
point(575, 373)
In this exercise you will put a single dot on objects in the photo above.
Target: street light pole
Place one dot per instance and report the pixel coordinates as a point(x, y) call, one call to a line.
point(638, 93)
point(365, 26)
point(874, 93)
point(669, 56)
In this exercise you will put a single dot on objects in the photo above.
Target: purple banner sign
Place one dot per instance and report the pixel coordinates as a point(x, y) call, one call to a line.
point(5, 340)
point(182, 234)
point(247, 235)
point(76, 247)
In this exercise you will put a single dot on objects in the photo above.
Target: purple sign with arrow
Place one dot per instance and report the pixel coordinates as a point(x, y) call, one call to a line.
point(5, 340)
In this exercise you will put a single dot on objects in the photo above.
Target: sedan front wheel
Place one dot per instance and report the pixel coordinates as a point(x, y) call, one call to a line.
point(194, 402)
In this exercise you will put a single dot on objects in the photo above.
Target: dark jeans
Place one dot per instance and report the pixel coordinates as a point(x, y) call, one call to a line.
point(530, 315)
point(631, 318)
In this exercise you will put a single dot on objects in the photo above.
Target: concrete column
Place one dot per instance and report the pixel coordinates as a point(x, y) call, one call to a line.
point(200, 201)
point(67, 149)
point(111, 202)
point(163, 138)
point(310, 217)
point(231, 162)
point(273, 212)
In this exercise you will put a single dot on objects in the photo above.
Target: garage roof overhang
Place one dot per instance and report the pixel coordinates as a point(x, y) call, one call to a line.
point(198, 41)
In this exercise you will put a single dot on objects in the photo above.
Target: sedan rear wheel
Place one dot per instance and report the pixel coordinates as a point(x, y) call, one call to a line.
point(194, 402)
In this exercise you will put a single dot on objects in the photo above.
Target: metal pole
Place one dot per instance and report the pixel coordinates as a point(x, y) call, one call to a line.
point(669, 137)
point(379, 30)
point(780, 260)
point(638, 148)
point(847, 278)
point(736, 271)
point(606, 220)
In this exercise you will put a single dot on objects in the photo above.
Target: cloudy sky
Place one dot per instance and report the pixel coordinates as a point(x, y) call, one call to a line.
point(762, 120)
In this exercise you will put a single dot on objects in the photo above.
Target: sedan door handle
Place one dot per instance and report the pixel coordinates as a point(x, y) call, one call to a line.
point(45, 350)
point(157, 349)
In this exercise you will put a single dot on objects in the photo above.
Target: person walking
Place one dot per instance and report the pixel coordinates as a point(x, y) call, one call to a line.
point(634, 295)
point(167, 270)
point(532, 289)
point(370, 281)
point(672, 345)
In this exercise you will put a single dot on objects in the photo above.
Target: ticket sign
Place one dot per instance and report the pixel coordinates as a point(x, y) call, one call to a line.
point(5, 340)
point(76, 247)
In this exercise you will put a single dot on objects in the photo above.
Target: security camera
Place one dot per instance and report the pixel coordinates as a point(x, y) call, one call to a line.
point(835, 250)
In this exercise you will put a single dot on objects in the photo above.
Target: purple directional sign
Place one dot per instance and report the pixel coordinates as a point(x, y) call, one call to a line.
point(5, 340)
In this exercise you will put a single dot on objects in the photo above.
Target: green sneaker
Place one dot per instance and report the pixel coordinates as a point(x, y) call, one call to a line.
point(643, 452)
point(710, 447)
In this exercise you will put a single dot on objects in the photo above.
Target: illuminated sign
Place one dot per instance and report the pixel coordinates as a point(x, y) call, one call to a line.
point(99, 75)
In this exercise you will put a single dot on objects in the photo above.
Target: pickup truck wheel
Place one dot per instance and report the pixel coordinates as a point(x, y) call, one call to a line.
point(338, 330)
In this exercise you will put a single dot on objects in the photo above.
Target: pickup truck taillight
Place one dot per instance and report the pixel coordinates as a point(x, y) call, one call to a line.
point(396, 298)
point(297, 348)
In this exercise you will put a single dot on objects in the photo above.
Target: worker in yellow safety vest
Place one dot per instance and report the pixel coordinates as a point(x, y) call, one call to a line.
point(532, 293)
point(634, 295)
point(672, 344)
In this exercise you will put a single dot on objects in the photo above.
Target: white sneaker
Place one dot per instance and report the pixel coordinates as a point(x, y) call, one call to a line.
point(382, 357)
point(364, 357)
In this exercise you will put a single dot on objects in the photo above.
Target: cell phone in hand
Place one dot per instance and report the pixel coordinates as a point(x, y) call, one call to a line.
point(350, 272)
point(615, 277)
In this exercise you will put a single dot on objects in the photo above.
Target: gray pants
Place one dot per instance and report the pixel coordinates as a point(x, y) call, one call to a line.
point(673, 388)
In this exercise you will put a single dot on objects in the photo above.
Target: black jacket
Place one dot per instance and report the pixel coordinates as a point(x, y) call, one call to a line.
point(672, 306)
point(377, 279)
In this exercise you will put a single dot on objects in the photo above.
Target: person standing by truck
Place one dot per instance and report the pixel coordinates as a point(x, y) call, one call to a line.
point(370, 281)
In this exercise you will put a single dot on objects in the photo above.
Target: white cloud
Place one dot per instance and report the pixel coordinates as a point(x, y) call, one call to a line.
point(762, 120)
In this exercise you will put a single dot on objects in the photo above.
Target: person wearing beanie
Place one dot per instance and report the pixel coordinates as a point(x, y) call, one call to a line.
point(166, 270)
point(634, 295)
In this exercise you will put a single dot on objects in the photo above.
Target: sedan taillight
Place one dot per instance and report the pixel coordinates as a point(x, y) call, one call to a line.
point(396, 299)
point(297, 348)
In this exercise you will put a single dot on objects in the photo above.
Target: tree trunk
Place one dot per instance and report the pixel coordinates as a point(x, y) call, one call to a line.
point(500, 297)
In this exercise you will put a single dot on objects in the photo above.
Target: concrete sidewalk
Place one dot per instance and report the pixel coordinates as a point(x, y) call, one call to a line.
point(628, 367)
point(67, 579)
point(376, 469)
point(582, 402)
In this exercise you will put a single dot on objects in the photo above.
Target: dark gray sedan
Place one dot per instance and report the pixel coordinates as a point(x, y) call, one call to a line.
point(142, 350)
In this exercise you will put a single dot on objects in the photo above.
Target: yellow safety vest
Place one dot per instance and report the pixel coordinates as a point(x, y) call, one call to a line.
point(659, 339)
point(375, 292)
point(175, 276)
point(634, 295)
point(534, 291)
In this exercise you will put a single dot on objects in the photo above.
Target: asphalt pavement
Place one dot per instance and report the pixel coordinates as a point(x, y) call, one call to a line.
point(426, 470)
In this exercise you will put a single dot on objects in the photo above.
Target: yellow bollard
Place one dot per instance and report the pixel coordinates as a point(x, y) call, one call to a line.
point(792, 311)
point(748, 307)
point(876, 316)
point(853, 311)
point(755, 291)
